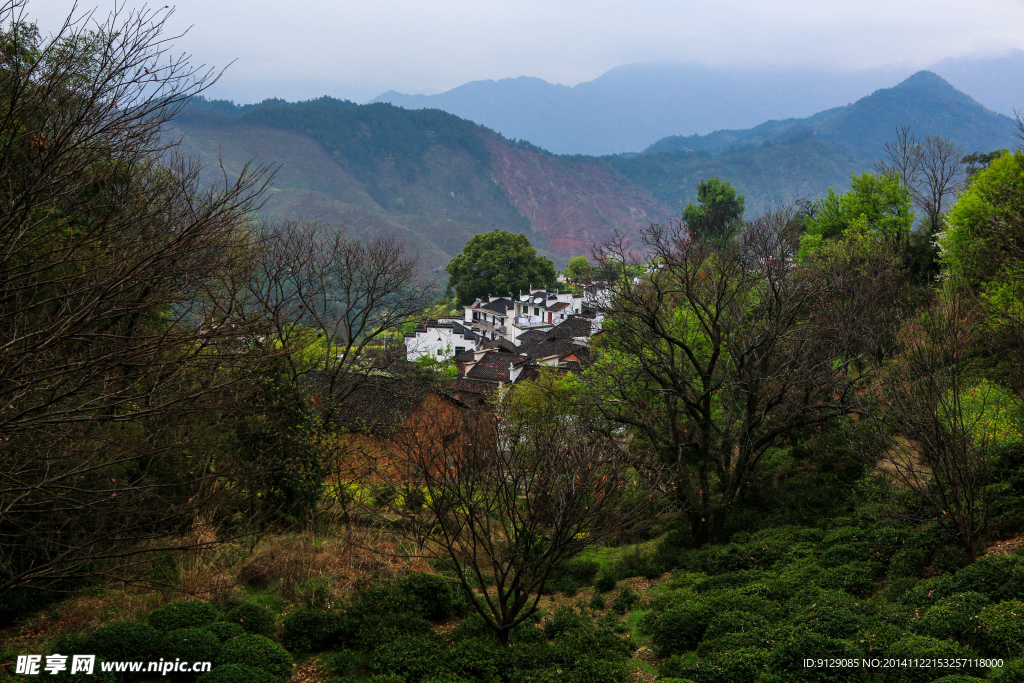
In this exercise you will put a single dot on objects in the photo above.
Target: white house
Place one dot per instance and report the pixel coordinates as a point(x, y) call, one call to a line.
point(440, 340)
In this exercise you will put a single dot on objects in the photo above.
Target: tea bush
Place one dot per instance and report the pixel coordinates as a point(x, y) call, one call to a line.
point(125, 641)
point(258, 651)
point(224, 630)
point(1001, 628)
point(255, 619)
point(236, 673)
point(438, 597)
point(190, 644)
point(308, 630)
point(182, 614)
point(953, 618)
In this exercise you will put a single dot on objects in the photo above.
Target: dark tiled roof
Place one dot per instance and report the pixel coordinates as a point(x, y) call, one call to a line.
point(500, 344)
point(532, 335)
point(465, 357)
point(546, 348)
point(499, 305)
point(494, 366)
point(554, 308)
point(573, 326)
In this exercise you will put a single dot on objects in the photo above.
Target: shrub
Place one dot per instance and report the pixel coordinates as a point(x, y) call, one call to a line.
point(225, 630)
point(308, 630)
point(724, 581)
point(597, 602)
point(1000, 577)
point(636, 562)
point(1002, 628)
point(743, 665)
point(565, 619)
point(258, 651)
point(439, 598)
point(412, 656)
point(907, 562)
point(954, 617)
point(605, 583)
point(381, 613)
point(182, 614)
point(1010, 672)
point(924, 647)
point(675, 631)
point(236, 673)
point(856, 578)
point(125, 641)
point(190, 644)
point(625, 600)
point(253, 618)
point(735, 621)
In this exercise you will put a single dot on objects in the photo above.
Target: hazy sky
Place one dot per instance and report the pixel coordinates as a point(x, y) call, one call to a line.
point(356, 50)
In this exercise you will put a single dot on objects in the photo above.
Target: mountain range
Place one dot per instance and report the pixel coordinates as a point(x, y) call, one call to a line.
point(629, 107)
point(432, 179)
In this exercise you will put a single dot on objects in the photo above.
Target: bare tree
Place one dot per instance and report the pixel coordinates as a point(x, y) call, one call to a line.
point(510, 496)
point(931, 170)
point(321, 284)
point(120, 348)
point(939, 422)
point(723, 350)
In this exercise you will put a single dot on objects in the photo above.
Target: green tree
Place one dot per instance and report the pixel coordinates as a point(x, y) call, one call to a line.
point(579, 268)
point(874, 204)
point(718, 213)
point(498, 262)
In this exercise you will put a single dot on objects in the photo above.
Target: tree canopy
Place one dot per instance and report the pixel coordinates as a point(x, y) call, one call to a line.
point(498, 262)
point(718, 213)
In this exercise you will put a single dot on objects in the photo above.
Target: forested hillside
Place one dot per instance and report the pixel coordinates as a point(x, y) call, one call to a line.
point(427, 177)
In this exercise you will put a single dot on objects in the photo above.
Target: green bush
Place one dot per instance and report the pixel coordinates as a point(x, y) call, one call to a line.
point(725, 623)
point(412, 656)
point(597, 602)
point(72, 644)
point(1000, 577)
point(856, 578)
point(1010, 672)
point(258, 651)
point(439, 598)
point(125, 641)
point(1002, 629)
point(605, 583)
point(225, 630)
point(625, 600)
point(190, 644)
point(955, 617)
point(565, 619)
point(636, 562)
point(182, 614)
point(236, 673)
point(924, 647)
point(742, 665)
point(907, 562)
point(308, 630)
point(675, 631)
point(382, 613)
point(254, 619)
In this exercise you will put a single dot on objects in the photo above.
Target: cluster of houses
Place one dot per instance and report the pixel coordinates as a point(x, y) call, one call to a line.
point(504, 339)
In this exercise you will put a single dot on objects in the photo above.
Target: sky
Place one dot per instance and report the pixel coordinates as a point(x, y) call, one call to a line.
point(356, 50)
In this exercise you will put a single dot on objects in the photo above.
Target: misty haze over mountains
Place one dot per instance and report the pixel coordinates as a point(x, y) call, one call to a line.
point(630, 107)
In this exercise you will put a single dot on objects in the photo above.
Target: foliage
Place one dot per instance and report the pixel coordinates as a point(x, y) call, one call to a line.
point(255, 619)
point(236, 673)
point(439, 598)
point(182, 614)
point(224, 630)
point(190, 644)
point(125, 641)
point(308, 630)
point(874, 205)
point(257, 651)
point(718, 213)
point(579, 269)
point(498, 263)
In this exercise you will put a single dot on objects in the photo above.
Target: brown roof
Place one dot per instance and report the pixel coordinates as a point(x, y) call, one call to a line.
point(472, 392)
